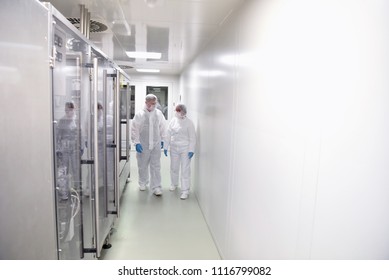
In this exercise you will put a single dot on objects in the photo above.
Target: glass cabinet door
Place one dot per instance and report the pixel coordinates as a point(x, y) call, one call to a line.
point(69, 144)
point(86, 125)
point(125, 111)
point(111, 143)
point(104, 132)
point(84, 145)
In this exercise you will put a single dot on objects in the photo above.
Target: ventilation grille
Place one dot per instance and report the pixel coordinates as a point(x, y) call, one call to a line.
point(95, 26)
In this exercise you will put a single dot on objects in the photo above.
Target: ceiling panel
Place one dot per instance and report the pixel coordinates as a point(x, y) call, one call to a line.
point(178, 29)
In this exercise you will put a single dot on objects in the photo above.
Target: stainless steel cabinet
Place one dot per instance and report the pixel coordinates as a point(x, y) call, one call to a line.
point(60, 149)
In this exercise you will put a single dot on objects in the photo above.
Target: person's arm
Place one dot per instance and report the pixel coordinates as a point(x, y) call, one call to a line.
point(135, 129)
point(167, 137)
point(136, 126)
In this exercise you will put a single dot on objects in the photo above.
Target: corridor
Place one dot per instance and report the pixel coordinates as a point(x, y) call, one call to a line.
point(159, 228)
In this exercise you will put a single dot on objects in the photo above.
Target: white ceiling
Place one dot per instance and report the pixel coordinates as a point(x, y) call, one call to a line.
point(177, 28)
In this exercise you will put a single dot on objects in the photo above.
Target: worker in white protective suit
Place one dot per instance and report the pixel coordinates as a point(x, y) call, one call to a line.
point(148, 130)
point(68, 150)
point(68, 176)
point(181, 139)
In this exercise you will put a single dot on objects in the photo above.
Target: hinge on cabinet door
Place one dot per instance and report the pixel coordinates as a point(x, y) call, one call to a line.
point(52, 58)
point(90, 250)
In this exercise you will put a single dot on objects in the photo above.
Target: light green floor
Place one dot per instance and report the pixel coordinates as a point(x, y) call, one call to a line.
point(159, 228)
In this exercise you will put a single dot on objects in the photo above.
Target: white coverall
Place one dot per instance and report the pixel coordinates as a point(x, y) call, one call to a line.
point(68, 147)
point(181, 139)
point(149, 129)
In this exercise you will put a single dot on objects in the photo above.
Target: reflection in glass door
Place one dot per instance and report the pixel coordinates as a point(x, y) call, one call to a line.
point(68, 143)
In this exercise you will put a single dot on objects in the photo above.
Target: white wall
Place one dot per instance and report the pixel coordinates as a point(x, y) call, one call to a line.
point(291, 105)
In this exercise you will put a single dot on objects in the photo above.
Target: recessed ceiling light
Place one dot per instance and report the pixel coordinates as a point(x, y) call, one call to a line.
point(148, 70)
point(153, 55)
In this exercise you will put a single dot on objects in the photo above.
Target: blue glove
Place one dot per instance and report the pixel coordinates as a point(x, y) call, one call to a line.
point(139, 148)
point(190, 155)
point(161, 145)
point(165, 152)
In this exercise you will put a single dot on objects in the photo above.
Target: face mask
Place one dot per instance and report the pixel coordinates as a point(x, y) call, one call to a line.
point(179, 115)
point(70, 114)
point(150, 108)
point(99, 113)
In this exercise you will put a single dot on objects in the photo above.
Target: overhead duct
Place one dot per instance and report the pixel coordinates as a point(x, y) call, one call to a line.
point(85, 24)
point(84, 21)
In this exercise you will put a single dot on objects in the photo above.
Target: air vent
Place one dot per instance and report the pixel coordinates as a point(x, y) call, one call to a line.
point(95, 26)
